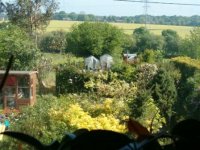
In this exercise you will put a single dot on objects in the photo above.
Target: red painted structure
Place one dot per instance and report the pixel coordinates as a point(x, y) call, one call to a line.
point(19, 90)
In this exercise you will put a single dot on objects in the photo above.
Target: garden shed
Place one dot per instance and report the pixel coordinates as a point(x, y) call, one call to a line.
point(92, 63)
point(106, 62)
point(19, 89)
point(130, 58)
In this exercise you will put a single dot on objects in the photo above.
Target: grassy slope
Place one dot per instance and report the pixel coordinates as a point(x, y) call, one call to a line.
point(127, 27)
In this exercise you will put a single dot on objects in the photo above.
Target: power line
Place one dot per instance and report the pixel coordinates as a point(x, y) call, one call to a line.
point(165, 3)
point(145, 11)
point(146, 2)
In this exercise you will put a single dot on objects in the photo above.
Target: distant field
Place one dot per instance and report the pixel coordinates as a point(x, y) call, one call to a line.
point(127, 27)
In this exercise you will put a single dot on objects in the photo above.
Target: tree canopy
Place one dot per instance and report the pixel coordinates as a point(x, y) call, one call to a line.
point(190, 45)
point(15, 41)
point(95, 39)
point(31, 15)
point(146, 40)
point(167, 20)
point(172, 42)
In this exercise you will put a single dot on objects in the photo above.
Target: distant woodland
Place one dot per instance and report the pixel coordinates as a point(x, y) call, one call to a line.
point(164, 20)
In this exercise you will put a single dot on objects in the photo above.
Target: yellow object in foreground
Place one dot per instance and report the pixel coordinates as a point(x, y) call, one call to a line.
point(2, 129)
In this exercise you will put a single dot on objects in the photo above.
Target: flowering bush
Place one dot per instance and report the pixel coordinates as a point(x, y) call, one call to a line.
point(75, 117)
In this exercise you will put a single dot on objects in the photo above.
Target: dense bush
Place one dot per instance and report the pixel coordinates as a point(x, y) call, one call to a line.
point(188, 86)
point(171, 42)
point(151, 56)
point(95, 39)
point(14, 41)
point(146, 40)
point(53, 42)
point(70, 79)
point(52, 117)
point(187, 66)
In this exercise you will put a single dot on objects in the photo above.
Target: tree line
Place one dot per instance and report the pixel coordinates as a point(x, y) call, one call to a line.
point(164, 20)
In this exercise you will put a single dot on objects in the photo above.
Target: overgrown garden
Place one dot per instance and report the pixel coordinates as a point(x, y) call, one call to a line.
point(160, 88)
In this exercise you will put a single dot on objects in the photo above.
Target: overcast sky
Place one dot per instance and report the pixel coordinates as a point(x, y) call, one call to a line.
point(119, 8)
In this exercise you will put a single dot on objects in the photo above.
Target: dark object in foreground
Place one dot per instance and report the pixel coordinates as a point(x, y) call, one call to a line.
point(185, 136)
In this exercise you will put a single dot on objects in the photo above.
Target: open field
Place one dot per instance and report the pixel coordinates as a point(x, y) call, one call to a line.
point(127, 27)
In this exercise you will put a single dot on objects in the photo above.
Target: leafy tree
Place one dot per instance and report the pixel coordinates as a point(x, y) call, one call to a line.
point(151, 56)
point(187, 86)
point(129, 44)
point(2, 7)
point(147, 40)
point(16, 42)
point(173, 71)
point(31, 15)
point(60, 15)
point(191, 46)
point(73, 16)
point(95, 39)
point(136, 105)
point(72, 77)
point(144, 109)
point(53, 42)
point(144, 74)
point(192, 103)
point(164, 93)
point(172, 42)
point(125, 72)
point(151, 116)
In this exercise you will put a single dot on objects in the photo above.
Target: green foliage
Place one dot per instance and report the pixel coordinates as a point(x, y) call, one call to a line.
point(151, 116)
point(190, 46)
point(173, 71)
point(144, 75)
point(125, 72)
point(146, 40)
point(16, 42)
point(69, 79)
point(112, 88)
point(172, 42)
point(136, 104)
point(151, 56)
point(144, 109)
point(31, 15)
point(192, 101)
point(52, 117)
point(164, 93)
point(36, 122)
point(95, 39)
point(129, 43)
point(53, 42)
point(186, 86)
point(138, 19)
point(187, 65)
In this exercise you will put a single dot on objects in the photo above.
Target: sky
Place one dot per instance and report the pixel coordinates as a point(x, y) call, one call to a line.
point(119, 8)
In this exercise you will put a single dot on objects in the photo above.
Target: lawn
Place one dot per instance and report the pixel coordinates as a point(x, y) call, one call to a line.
point(56, 60)
point(128, 28)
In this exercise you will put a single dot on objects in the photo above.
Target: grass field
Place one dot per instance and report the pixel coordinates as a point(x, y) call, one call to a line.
point(128, 28)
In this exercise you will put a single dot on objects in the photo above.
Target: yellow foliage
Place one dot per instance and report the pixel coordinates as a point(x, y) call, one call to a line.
point(188, 61)
point(151, 117)
point(77, 118)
